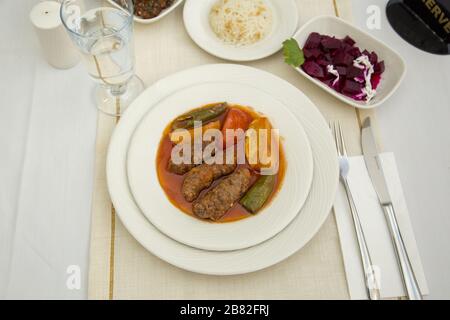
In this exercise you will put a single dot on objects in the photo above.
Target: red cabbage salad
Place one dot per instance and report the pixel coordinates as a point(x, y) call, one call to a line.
point(338, 63)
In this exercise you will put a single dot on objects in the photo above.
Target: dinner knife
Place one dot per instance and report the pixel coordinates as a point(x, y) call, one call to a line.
point(373, 164)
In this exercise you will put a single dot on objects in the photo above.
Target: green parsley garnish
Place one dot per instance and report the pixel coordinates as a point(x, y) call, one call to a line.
point(293, 55)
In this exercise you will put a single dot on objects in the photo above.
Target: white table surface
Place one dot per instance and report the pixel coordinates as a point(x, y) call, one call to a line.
point(47, 137)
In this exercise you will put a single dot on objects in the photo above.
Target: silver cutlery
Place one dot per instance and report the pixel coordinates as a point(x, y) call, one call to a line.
point(372, 159)
point(373, 290)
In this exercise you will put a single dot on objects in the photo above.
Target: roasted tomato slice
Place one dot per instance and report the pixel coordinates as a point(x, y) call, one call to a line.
point(235, 119)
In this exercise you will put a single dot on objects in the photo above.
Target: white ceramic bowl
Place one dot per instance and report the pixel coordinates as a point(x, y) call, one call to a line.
point(147, 191)
point(163, 13)
point(395, 65)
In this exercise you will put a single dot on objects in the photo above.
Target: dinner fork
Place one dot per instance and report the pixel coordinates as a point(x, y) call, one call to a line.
point(373, 290)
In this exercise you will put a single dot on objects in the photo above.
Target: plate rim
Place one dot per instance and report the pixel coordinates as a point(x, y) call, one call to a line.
point(202, 239)
point(138, 226)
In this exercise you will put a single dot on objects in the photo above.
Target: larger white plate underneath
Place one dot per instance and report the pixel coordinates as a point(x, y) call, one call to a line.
point(151, 199)
point(287, 242)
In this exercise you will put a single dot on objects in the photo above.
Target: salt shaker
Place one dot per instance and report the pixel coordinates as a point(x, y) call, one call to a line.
point(56, 46)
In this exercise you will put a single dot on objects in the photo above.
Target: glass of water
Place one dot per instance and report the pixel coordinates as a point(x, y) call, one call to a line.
point(104, 35)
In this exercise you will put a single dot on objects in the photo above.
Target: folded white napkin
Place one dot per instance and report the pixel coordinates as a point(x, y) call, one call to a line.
point(376, 231)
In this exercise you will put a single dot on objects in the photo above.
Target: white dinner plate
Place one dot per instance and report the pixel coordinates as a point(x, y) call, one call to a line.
point(196, 21)
point(151, 199)
point(287, 242)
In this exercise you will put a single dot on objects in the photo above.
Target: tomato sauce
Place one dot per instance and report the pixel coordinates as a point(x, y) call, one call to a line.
point(172, 183)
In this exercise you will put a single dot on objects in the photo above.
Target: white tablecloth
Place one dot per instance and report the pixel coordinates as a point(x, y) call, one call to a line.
point(47, 135)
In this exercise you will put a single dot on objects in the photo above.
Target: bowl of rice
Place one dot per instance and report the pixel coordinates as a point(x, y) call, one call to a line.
point(240, 30)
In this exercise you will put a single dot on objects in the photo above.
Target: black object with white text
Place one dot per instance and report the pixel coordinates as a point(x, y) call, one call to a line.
point(423, 23)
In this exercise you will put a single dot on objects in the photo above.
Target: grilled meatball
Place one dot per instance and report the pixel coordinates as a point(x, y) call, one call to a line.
point(180, 169)
point(183, 168)
point(201, 177)
point(222, 197)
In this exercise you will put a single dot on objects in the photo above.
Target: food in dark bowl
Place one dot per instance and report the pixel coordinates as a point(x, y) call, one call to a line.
point(338, 63)
point(148, 9)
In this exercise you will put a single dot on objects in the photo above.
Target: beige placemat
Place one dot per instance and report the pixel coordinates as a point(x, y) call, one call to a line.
point(120, 268)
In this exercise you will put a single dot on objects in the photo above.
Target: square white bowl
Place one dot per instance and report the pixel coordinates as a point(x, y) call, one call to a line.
point(395, 65)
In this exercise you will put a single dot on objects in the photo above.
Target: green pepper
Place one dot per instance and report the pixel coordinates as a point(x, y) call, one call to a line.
point(186, 121)
point(258, 194)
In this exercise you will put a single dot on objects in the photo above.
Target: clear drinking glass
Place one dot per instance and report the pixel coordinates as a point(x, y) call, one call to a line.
point(104, 35)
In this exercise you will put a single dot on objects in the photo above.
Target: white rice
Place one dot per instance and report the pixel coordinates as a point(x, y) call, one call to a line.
point(241, 22)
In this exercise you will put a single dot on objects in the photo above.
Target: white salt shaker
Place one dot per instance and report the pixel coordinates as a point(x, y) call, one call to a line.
point(56, 45)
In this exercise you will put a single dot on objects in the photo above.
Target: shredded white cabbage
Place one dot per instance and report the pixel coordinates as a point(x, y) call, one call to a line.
point(363, 62)
point(333, 71)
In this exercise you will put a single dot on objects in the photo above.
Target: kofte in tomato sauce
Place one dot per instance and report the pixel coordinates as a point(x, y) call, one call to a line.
point(218, 192)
